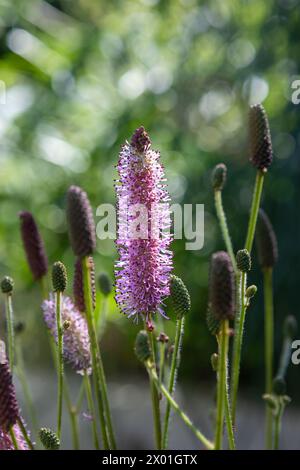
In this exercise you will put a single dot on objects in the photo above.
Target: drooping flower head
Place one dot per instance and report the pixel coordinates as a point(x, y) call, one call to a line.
point(145, 260)
point(33, 245)
point(76, 338)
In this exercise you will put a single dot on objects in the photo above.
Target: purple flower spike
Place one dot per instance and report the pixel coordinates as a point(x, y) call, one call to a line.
point(6, 442)
point(145, 260)
point(76, 338)
point(33, 245)
point(9, 410)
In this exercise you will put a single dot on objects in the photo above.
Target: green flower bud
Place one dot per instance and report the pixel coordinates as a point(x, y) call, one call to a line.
point(243, 261)
point(49, 439)
point(251, 291)
point(7, 285)
point(180, 296)
point(218, 178)
point(59, 277)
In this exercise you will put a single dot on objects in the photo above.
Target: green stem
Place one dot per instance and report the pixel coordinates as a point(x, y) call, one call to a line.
point(102, 315)
point(173, 374)
point(160, 387)
point(60, 362)
point(25, 434)
point(237, 345)
point(269, 333)
point(91, 406)
point(223, 350)
point(10, 330)
point(277, 425)
point(94, 350)
point(13, 438)
point(155, 396)
point(224, 227)
point(254, 210)
point(228, 416)
point(73, 412)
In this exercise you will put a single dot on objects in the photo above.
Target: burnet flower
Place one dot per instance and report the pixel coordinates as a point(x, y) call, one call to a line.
point(76, 338)
point(145, 260)
point(6, 442)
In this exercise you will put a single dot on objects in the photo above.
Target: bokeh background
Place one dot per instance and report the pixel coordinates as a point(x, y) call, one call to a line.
point(79, 76)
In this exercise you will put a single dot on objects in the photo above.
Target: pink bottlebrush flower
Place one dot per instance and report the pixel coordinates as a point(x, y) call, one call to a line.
point(76, 338)
point(145, 262)
point(6, 442)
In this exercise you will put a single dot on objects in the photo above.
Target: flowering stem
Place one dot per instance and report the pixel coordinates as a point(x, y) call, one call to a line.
point(269, 332)
point(155, 396)
point(228, 415)
point(73, 411)
point(223, 350)
point(95, 352)
point(13, 438)
point(10, 330)
point(160, 387)
point(277, 425)
point(25, 434)
point(224, 227)
point(60, 363)
point(254, 209)
point(173, 374)
point(237, 345)
point(91, 406)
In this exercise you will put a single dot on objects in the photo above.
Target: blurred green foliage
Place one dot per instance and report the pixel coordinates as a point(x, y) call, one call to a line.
point(81, 75)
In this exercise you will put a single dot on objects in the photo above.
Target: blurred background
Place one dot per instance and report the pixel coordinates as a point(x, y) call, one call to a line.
point(77, 78)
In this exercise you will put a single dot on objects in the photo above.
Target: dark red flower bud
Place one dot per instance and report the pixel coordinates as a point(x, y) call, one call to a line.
point(140, 140)
point(261, 153)
point(33, 245)
point(221, 287)
point(266, 242)
point(81, 222)
point(9, 410)
point(78, 291)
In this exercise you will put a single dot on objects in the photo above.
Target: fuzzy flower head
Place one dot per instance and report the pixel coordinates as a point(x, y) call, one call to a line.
point(145, 260)
point(6, 442)
point(76, 338)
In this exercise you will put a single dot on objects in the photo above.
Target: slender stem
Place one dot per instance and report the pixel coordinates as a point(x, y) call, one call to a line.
point(60, 362)
point(223, 350)
point(277, 425)
point(224, 227)
point(13, 438)
point(173, 374)
point(102, 315)
point(237, 346)
point(10, 330)
point(109, 424)
point(94, 349)
point(73, 412)
point(25, 434)
point(162, 354)
point(154, 378)
point(91, 406)
point(254, 209)
point(228, 416)
point(25, 386)
point(269, 333)
point(155, 396)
